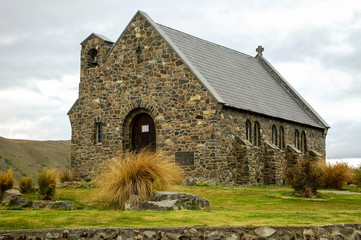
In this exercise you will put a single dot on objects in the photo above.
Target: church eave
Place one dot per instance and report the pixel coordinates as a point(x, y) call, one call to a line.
point(271, 116)
point(73, 106)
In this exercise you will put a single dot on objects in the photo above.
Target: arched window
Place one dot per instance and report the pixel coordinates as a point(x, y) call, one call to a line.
point(256, 138)
point(98, 132)
point(297, 139)
point(303, 142)
point(282, 138)
point(93, 57)
point(248, 130)
point(274, 135)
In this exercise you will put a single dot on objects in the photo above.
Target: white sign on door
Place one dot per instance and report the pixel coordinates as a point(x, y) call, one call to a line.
point(145, 128)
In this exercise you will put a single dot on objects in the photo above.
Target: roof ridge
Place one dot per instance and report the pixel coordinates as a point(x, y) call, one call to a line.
point(231, 49)
point(102, 37)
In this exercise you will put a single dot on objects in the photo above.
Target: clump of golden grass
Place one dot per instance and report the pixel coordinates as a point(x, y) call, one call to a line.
point(136, 174)
point(26, 185)
point(66, 175)
point(6, 181)
point(47, 183)
point(335, 176)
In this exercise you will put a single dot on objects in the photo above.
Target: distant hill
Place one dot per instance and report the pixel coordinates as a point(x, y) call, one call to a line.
point(27, 157)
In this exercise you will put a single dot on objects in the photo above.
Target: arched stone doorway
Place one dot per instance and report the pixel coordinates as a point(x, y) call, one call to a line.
point(139, 130)
point(143, 132)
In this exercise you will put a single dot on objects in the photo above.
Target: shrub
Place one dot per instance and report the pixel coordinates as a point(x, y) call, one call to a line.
point(136, 174)
point(6, 181)
point(66, 175)
point(305, 177)
point(47, 184)
point(357, 175)
point(26, 185)
point(336, 175)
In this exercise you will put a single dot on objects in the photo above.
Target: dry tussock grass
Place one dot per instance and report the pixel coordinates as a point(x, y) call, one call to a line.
point(6, 181)
point(66, 175)
point(47, 183)
point(26, 185)
point(335, 176)
point(136, 174)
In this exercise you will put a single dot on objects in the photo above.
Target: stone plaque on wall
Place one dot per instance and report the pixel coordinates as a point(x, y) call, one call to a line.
point(184, 158)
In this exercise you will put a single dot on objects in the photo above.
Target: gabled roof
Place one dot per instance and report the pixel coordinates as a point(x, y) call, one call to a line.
point(236, 79)
point(239, 80)
point(105, 39)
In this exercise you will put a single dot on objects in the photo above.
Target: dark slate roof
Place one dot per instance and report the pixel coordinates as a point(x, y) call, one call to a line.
point(239, 79)
point(236, 79)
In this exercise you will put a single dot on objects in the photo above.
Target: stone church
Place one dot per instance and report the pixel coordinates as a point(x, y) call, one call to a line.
point(219, 113)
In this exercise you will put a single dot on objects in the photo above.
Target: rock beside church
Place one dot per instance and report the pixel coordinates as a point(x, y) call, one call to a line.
point(164, 205)
point(165, 201)
point(14, 198)
point(39, 204)
point(185, 200)
point(191, 181)
point(133, 203)
point(62, 205)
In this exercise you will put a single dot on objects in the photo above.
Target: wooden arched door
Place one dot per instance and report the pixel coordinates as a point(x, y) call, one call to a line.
point(143, 132)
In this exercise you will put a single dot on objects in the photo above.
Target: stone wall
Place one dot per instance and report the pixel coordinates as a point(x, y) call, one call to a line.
point(341, 231)
point(248, 164)
point(140, 73)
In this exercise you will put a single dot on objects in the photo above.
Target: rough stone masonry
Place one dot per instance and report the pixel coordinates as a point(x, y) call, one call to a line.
point(327, 232)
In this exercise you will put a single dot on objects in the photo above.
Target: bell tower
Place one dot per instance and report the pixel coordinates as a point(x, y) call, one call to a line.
point(93, 51)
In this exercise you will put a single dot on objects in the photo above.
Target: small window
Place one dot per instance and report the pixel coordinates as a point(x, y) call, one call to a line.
point(248, 130)
point(282, 138)
point(297, 139)
point(98, 132)
point(93, 57)
point(303, 142)
point(139, 52)
point(274, 135)
point(256, 140)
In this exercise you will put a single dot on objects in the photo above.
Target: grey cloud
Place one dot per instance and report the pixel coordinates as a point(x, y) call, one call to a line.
point(343, 140)
point(47, 129)
point(312, 43)
point(300, 44)
point(40, 39)
point(347, 61)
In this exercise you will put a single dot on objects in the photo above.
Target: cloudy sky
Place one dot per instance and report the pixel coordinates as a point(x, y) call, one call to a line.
point(314, 44)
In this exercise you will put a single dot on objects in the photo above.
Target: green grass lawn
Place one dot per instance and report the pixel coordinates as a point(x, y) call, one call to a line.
point(259, 205)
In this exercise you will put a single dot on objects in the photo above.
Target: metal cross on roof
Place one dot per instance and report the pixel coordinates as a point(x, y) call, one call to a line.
point(260, 49)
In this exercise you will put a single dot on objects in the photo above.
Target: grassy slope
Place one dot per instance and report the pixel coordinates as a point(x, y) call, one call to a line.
point(261, 205)
point(27, 157)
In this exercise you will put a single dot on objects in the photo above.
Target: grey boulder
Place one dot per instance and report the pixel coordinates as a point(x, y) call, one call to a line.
point(14, 198)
